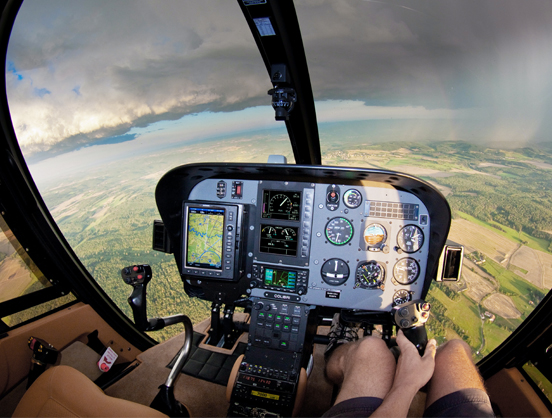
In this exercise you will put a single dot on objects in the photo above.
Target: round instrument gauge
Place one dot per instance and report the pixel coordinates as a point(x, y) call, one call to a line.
point(401, 296)
point(269, 231)
point(335, 271)
point(375, 235)
point(370, 274)
point(339, 231)
point(289, 234)
point(280, 204)
point(406, 271)
point(352, 198)
point(410, 239)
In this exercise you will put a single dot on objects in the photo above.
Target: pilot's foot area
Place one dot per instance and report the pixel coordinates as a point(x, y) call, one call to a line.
point(340, 333)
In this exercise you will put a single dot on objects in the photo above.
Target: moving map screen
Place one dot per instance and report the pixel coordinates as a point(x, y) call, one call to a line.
point(281, 278)
point(204, 235)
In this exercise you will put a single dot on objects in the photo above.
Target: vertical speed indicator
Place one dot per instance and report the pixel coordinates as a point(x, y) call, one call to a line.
point(339, 231)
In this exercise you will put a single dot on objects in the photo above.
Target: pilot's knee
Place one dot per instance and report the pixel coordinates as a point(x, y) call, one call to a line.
point(373, 347)
point(453, 348)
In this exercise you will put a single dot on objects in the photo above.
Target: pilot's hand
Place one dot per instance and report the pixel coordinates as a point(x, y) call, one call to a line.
point(411, 374)
point(413, 371)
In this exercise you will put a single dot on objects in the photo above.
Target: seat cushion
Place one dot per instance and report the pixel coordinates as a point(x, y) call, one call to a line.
point(65, 392)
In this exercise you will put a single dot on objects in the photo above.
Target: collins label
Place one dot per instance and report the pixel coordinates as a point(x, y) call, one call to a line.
point(280, 296)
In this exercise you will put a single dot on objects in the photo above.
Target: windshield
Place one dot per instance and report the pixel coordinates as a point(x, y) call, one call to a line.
point(457, 93)
point(106, 97)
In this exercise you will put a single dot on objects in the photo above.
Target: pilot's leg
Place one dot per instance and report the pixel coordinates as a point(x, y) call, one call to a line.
point(456, 388)
point(363, 368)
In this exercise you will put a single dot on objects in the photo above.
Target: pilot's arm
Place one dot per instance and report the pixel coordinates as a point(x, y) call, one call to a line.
point(412, 373)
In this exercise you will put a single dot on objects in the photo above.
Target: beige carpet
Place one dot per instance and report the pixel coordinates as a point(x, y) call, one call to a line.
point(205, 399)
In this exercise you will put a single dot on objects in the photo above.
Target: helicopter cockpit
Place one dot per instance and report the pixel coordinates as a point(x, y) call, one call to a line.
point(413, 130)
point(292, 244)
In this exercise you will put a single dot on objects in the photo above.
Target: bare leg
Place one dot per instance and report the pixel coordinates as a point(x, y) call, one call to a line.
point(454, 370)
point(363, 368)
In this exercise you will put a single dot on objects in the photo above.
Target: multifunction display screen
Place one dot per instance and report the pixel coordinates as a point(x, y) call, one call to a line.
point(205, 232)
point(280, 278)
point(278, 204)
point(277, 239)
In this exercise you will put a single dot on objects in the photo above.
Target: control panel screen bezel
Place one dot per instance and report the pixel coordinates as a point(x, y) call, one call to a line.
point(270, 275)
point(226, 220)
point(212, 214)
point(279, 239)
point(281, 204)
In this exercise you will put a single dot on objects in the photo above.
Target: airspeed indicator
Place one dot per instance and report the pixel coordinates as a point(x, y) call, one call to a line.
point(339, 231)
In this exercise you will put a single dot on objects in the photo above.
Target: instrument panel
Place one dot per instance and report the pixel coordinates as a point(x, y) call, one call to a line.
point(333, 237)
point(361, 247)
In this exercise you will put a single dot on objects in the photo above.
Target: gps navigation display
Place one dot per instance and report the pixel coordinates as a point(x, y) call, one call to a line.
point(205, 231)
point(280, 278)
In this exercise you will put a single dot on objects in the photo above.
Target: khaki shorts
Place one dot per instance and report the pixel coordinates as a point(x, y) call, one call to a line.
point(463, 403)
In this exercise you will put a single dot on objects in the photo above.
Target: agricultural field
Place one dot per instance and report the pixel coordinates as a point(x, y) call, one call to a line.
point(477, 238)
point(106, 214)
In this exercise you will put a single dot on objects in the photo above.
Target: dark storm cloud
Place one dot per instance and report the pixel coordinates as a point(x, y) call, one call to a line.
point(431, 53)
point(104, 67)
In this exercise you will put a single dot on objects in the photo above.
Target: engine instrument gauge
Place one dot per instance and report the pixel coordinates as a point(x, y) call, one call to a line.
point(406, 271)
point(280, 203)
point(375, 236)
point(269, 231)
point(410, 239)
point(335, 271)
point(289, 234)
point(401, 296)
point(339, 231)
point(352, 198)
point(370, 274)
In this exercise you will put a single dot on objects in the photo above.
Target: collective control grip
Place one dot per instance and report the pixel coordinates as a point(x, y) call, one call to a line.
point(411, 318)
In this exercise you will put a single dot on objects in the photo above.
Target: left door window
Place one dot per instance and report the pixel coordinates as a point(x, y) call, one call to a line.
point(19, 276)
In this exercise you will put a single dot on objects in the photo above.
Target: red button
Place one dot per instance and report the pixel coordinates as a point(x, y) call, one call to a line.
point(135, 268)
point(140, 277)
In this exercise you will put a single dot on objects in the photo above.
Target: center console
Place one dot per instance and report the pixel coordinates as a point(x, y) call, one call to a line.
point(268, 376)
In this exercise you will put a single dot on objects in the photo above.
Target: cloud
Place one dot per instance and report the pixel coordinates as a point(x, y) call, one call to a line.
point(99, 69)
point(81, 71)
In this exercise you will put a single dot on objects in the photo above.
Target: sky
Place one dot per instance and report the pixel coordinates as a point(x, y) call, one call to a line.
point(81, 71)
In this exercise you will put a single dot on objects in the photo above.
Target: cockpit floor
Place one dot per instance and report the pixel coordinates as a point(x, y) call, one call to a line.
point(205, 399)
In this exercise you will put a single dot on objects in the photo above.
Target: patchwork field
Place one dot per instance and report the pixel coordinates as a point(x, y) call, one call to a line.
point(527, 259)
point(501, 305)
point(478, 287)
point(476, 238)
